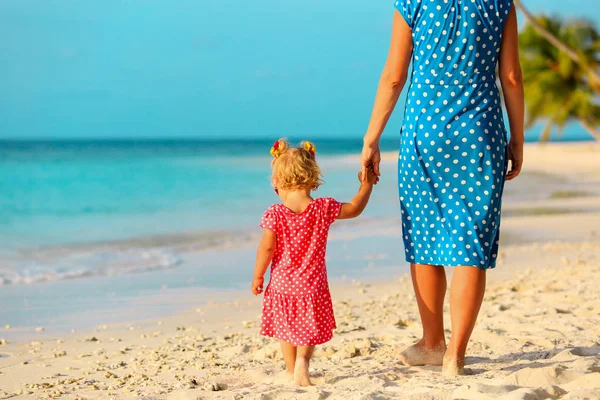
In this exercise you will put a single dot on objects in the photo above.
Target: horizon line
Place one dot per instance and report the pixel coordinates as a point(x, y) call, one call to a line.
point(232, 139)
point(165, 139)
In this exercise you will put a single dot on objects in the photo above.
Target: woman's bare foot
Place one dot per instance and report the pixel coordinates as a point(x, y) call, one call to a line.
point(301, 374)
point(453, 366)
point(418, 354)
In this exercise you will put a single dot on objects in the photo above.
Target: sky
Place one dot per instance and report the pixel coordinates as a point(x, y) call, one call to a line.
point(198, 68)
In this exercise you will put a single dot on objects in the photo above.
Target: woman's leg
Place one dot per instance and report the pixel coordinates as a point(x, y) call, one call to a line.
point(289, 356)
point(429, 283)
point(466, 296)
point(301, 374)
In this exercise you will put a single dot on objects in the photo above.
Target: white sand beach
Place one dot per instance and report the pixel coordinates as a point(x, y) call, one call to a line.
point(537, 337)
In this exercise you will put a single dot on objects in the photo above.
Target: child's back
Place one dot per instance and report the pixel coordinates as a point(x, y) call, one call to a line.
point(298, 291)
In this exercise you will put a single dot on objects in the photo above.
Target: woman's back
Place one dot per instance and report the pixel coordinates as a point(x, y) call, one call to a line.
point(455, 41)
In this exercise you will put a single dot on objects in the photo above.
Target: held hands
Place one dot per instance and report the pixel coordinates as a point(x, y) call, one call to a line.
point(370, 159)
point(370, 178)
point(257, 286)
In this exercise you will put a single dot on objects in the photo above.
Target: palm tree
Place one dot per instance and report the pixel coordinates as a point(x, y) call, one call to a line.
point(591, 68)
point(557, 87)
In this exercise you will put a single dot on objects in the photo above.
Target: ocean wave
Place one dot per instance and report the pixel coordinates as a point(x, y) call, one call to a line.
point(111, 258)
point(84, 265)
point(146, 253)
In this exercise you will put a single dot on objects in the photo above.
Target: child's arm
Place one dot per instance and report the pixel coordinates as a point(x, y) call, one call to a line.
point(264, 254)
point(359, 202)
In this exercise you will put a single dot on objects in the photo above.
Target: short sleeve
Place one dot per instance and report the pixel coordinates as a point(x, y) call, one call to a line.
point(406, 10)
point(331, 208)
point(269, 220)
point(503, 8)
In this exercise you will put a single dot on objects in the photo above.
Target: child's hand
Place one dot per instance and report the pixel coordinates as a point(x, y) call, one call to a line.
point(371, 177)
point(257, 286)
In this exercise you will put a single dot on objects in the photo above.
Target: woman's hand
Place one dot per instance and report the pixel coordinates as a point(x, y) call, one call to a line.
point(371, 177)
point(257, 285)
point(370, 158)
point(515, 156)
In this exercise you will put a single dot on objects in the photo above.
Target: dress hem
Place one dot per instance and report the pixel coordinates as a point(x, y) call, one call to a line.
point(296, 344)
point(440, 263)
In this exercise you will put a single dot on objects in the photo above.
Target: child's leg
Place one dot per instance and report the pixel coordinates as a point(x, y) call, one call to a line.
point(289, 356)
point(301, 374)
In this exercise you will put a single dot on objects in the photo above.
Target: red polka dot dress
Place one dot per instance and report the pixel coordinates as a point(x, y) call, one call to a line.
point(297, 304)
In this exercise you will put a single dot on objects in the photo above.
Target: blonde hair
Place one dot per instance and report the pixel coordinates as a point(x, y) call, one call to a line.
point(295, 168)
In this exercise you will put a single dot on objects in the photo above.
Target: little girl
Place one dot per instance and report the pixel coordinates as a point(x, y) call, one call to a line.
point(297, 307)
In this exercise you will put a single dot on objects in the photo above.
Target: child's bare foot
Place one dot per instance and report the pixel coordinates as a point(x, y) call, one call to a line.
point(301, 374)
point(453, 366)
point(418, 354)
point(289, 375)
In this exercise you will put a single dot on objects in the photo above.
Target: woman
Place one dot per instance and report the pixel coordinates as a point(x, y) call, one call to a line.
point(454, 155)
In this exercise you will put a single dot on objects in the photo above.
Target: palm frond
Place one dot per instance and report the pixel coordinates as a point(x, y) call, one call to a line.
point(558, 86)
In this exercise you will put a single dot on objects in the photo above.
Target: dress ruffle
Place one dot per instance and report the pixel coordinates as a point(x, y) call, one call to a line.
point(300, 320)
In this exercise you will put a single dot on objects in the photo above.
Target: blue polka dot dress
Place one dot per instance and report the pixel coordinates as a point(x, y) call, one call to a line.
point(453, 156)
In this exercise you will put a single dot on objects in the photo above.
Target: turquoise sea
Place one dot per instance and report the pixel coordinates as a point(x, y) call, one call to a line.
point(76, 193)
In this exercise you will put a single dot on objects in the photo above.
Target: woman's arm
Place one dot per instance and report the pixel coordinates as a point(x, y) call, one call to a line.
point(512, 86)
point(390, 86)
point(264, 255)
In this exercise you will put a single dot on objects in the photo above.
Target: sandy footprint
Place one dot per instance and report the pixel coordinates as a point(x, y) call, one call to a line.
point(480, 391)
point(542, 376)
